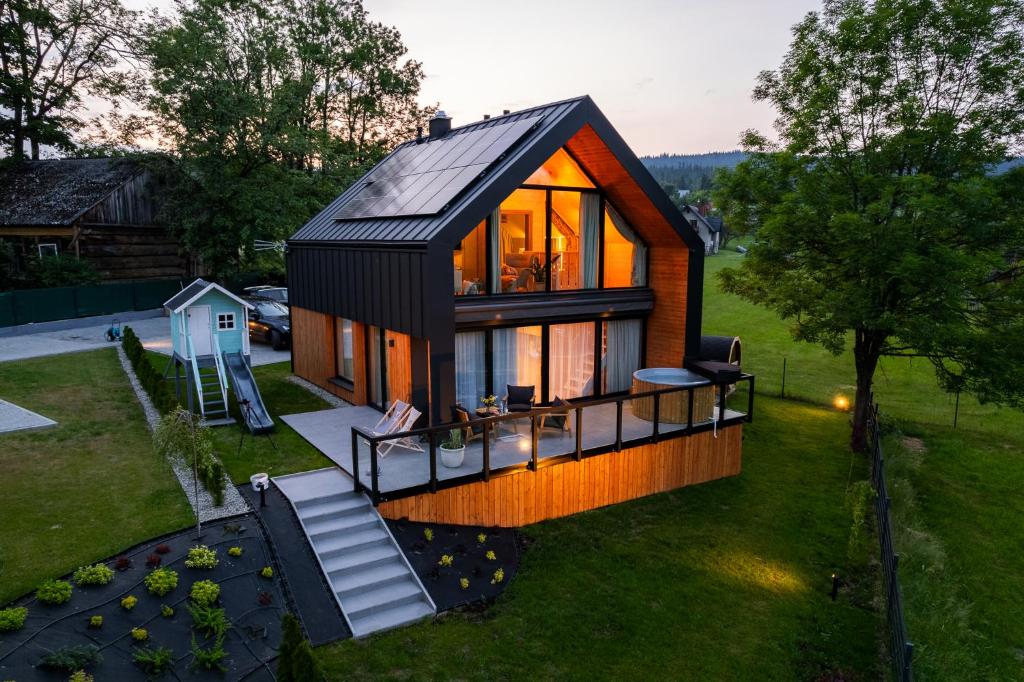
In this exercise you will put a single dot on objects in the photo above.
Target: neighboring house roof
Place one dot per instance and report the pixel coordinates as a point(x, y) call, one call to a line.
point(58, 191)
point(443, 187)
point(196, 290)
point(693, 213)
point(716, 222)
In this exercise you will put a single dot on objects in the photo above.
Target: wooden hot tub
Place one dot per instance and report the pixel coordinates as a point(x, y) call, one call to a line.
point(673, 408)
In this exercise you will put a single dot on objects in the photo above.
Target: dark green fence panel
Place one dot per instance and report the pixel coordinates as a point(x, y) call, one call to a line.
point(153, 293)
point(7, 309)
point(44, 305)
point(103, 299)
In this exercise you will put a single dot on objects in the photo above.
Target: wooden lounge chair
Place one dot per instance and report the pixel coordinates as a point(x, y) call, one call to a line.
point(393, 414)
point(558, 419)
point(469, 431)
point(406, 423)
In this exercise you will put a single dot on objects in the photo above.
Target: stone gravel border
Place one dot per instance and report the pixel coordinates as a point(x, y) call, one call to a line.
point(327, 396)
point(234, 503)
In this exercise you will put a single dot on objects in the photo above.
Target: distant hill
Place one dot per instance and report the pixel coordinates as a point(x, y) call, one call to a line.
point(712, 159)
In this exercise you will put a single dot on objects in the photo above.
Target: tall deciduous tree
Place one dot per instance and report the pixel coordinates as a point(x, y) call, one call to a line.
point(53, 55)
point(271, 108)
point(877, 216)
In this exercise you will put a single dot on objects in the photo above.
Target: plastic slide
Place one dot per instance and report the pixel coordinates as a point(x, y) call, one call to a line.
point(254, 412)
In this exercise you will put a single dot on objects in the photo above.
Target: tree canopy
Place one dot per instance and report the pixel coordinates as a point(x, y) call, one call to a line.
point(877, 215)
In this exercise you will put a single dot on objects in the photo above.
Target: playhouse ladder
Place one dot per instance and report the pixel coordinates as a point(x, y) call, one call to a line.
point(211, 387)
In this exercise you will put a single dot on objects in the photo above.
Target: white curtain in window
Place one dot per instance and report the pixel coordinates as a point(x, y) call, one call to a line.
point(571, 361)
point(622, 354)
point(639, 274)
point(470, 369)
point(517, 358)
point(590, 229)
point(494, 234)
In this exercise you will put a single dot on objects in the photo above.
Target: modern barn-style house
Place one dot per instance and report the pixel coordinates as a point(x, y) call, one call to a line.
point(530, 257)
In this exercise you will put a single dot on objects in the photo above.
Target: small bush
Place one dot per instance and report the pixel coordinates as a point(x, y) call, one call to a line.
point(481, 538)
point(153, 560)
point(235, 551)
point(267, 572)
point(210, 621)
point(264, 598)
point(499, 575)
point(152, 381)
point(446, 560)
point(95, 622)
point(154, 661)
point(97, 574)
point(428, 534)
point(13, 618)
point(161, 581)
point(123, 563)
point(71, 658)
point(162, 549)
point(202, 556)
point(166, 611)
point(464, 583)
point(80, 676)
point(205, 592)
point(129, 602)
point(209, 659)
point(140, 634)
point(490, 555)
point(54, 592)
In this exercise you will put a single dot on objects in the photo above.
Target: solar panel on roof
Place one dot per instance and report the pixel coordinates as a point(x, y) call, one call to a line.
point(422, 179)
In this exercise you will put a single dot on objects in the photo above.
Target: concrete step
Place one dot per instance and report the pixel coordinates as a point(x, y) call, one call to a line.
point(353, 520)
point(354, 560)
point(303, 506)
point(343, 505)
point(375, 599)
point(345, 540)
point(393, 617)
point(370, 577)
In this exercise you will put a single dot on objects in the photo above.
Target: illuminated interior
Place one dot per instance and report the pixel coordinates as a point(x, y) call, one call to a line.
point(559, 171)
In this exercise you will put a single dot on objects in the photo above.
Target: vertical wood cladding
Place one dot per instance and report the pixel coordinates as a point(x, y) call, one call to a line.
point(560, 490)
point(382, 287)
point(399, 366)
point(666, 326)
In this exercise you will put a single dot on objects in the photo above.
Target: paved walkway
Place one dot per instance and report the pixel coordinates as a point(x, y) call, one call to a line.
point(14, 418)
point(155, 334)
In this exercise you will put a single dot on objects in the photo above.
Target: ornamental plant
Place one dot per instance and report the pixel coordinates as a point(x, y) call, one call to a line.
point(166, 611)
point(123, 563)
point(499, 576)
point(162, 549)
point(235, 551)
point(154, 662)
point(140, 634)
point(491, 556)
point(210, 621)
point(161, 581)
point(202, 556)
point(153, 560)
point(13, 618)
point(267, 572)
point(96, 574)
point(428, 534)
point(205, 592)
point(80, 676)
point(54, 592)
point(446, 560)
point(129, 602)
point(464, 583)
point(71, 658)
point(95, 622)
point(481, 538)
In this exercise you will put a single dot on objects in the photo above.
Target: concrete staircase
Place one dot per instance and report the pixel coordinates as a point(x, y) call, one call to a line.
point(371, 578)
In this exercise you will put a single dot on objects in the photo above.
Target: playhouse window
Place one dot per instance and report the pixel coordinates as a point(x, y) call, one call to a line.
point(225, 321)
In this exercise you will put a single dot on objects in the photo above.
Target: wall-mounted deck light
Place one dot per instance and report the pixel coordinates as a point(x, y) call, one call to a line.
point(841, 403)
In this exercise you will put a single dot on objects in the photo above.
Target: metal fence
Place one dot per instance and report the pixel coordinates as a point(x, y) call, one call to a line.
point(901, 649)
point(23, 306)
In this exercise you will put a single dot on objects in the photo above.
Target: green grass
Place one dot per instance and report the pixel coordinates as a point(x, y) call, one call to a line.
point(259, 454)
point(727, 580)
point(903, 387)
point(86, 488)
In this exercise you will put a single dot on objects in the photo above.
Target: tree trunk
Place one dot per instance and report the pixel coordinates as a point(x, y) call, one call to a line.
point(866, 351)
point(18, 147)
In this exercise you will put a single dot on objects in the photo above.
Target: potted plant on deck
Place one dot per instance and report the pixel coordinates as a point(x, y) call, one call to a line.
point(453, 451)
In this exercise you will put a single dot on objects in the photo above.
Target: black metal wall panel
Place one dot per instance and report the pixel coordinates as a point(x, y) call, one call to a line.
point(375, 286)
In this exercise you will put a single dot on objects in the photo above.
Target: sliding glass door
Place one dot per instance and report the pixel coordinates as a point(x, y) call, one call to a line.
point(470, 369)
point(517, 359)
point(571, 360)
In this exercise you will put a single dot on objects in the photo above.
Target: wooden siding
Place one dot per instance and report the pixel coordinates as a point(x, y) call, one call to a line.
point(399, 366)
point(666, 326)
point(132, 203)
point(562, 489)
point(131, 252)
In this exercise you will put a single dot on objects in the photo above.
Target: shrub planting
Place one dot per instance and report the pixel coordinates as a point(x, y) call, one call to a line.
point(153, 560)
point(209, 659)
point(71, 658)
point(166, 611)
point(264, 598)
point(97, 574)
point(13, 618)
point(201, 556)
point(205, 592)
point(162, 549)
point(154, 662)
point(95, 622)
point(129, 602)
point(123, 563)
point(80, 676)
point(267, 572)
point(295, 661)
point(209, 620)
point(235, 551)
point(54, 592)
point(182, 435)
point(161, 581)
point(151, 380)
point(140, 634)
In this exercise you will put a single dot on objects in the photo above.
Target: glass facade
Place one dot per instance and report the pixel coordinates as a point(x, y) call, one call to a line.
point(344, 359)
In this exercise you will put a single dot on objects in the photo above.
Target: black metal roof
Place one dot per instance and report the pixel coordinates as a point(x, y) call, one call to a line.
point(58, 191)
point(552, 127)
point(186, 293)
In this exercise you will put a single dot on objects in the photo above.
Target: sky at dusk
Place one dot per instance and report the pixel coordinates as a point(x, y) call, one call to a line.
point(671, 76)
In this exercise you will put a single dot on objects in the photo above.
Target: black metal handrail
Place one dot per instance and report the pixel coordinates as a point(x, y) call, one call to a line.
point(486, 424)
point(901, 649)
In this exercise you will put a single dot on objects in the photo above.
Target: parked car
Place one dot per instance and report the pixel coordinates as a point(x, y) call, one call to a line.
point(278, 294)
point(269, 323)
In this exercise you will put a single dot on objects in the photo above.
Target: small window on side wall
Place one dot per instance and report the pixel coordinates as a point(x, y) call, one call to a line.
point(225, 321)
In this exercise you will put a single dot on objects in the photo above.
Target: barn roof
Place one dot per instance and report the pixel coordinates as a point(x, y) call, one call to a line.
point(441, 188)
point(58, 191)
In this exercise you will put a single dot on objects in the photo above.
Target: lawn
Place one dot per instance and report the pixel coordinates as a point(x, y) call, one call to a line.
point(727, 580)
point(86, 488)
point(285, 452)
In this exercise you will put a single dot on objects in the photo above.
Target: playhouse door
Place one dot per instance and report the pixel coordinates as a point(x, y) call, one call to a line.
point(199, 329)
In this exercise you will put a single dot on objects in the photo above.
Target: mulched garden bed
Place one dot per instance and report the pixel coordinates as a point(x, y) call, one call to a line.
point(469, 560)
point(253, 605)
